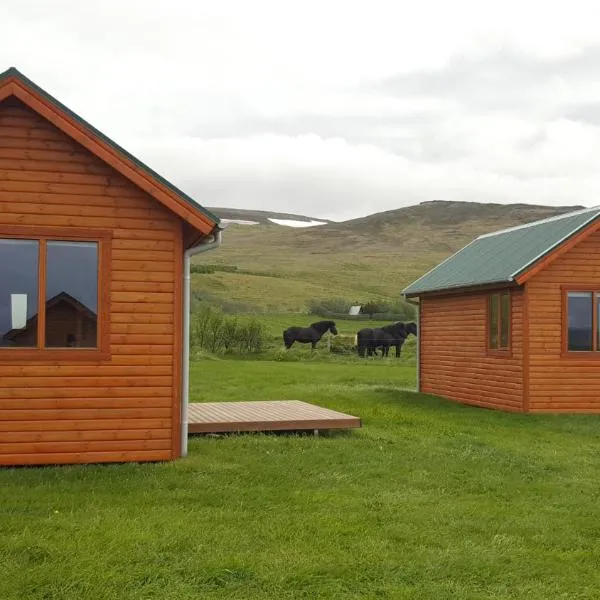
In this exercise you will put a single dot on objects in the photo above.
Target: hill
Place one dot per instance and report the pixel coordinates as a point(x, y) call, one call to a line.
point(260, 217)
point(276, 268)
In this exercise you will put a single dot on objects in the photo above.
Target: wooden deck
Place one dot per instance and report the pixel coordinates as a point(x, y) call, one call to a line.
point(275, 415)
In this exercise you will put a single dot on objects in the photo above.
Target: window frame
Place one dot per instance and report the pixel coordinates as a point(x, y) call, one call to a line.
point(564, 334)
point(500, 350)
point(65, 234)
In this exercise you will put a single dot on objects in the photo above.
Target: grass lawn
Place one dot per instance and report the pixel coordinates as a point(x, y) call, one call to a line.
point(429, 500)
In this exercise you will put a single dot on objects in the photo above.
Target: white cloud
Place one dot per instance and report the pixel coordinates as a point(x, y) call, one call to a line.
point(330, 108)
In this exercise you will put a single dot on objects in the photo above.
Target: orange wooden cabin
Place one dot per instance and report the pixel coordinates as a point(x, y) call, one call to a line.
point(512, 321)
point(94, 291)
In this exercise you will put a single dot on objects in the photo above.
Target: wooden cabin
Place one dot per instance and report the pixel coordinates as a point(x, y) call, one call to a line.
point(512, 320)
point(94, 291)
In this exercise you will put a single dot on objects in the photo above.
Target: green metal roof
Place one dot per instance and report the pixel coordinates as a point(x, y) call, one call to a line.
point(13, 72)
point(501, 256)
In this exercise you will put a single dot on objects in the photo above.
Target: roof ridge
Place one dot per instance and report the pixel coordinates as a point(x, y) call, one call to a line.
point(540, 221)
point(558, 242)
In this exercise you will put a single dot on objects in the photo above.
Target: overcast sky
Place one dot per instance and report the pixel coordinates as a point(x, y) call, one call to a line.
point(331, 109)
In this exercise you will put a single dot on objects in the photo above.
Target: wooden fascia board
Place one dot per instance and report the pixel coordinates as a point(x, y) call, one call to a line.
point(460, 291)
point(7, 89)
point(549, 258)
point(106, 153)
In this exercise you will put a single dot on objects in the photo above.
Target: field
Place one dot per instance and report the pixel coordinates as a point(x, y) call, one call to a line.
point(429, 500)
point(272, 268)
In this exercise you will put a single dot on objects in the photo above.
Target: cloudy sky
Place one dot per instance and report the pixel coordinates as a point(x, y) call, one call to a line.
point(333, 109)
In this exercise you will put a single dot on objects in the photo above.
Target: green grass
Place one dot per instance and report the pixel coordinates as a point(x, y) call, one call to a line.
point(429, 500)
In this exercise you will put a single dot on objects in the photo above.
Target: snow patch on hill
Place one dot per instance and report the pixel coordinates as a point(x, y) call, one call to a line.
point(240, 222)
point(292, 223)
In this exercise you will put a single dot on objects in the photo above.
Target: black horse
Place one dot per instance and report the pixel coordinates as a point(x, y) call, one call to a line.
point(398, 332)
point(308, 335)
point(369, 340)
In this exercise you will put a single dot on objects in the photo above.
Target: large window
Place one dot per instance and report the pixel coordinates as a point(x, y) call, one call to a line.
point(582, 312)
point(50, 293)
point(499, 321)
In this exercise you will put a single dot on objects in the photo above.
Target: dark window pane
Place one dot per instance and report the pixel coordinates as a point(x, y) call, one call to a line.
point(71, 294)
point(579, 308)
point(18, 292)
point(504, 319)
point(597, 320)
point(493, 324)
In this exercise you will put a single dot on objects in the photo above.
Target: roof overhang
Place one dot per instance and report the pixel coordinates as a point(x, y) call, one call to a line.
point(453, 291)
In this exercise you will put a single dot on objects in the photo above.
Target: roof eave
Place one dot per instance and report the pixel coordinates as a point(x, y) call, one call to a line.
point(458, 288)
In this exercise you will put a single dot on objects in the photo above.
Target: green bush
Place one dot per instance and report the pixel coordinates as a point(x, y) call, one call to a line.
point(213, 331)
point(382, 310)
point(400, 309)
point(210, 268)
point(202, 297)
point(326, 306)
point(343, 344)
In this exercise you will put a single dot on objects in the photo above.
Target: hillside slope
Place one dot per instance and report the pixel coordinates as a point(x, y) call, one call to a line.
point(280, 268)
point(261, 217)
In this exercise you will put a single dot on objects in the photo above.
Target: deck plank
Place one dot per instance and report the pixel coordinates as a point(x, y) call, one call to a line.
point(270, 415)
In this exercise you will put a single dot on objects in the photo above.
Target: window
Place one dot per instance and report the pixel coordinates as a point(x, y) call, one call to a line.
point(71, 294)
point(499, 321)
point(50, 293)
point(19, 267)
point(582, 312)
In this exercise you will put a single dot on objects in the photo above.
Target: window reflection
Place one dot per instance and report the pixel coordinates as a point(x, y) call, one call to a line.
point(71, 295)
point(18, 292)
point(493, 322)
point(579, 308)
point(504, 319)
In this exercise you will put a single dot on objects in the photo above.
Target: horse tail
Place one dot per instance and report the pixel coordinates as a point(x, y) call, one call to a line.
point(363, 337)
point(288, 340)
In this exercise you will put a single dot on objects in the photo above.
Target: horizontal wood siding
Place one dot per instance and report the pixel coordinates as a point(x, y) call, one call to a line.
point(454, 360)
point(561, 383)
point(119, 409)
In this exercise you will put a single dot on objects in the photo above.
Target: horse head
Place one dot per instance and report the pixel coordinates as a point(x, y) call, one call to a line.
point(323, 326)
point(398, 330)
point(411, 328)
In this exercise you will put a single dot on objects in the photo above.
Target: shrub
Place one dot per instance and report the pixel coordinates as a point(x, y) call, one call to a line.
point(327, 306)
point(201, 297)
point(213, 331)
point(383, 310)
point(399, 310)
point(342, 344)
point(210, 268)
